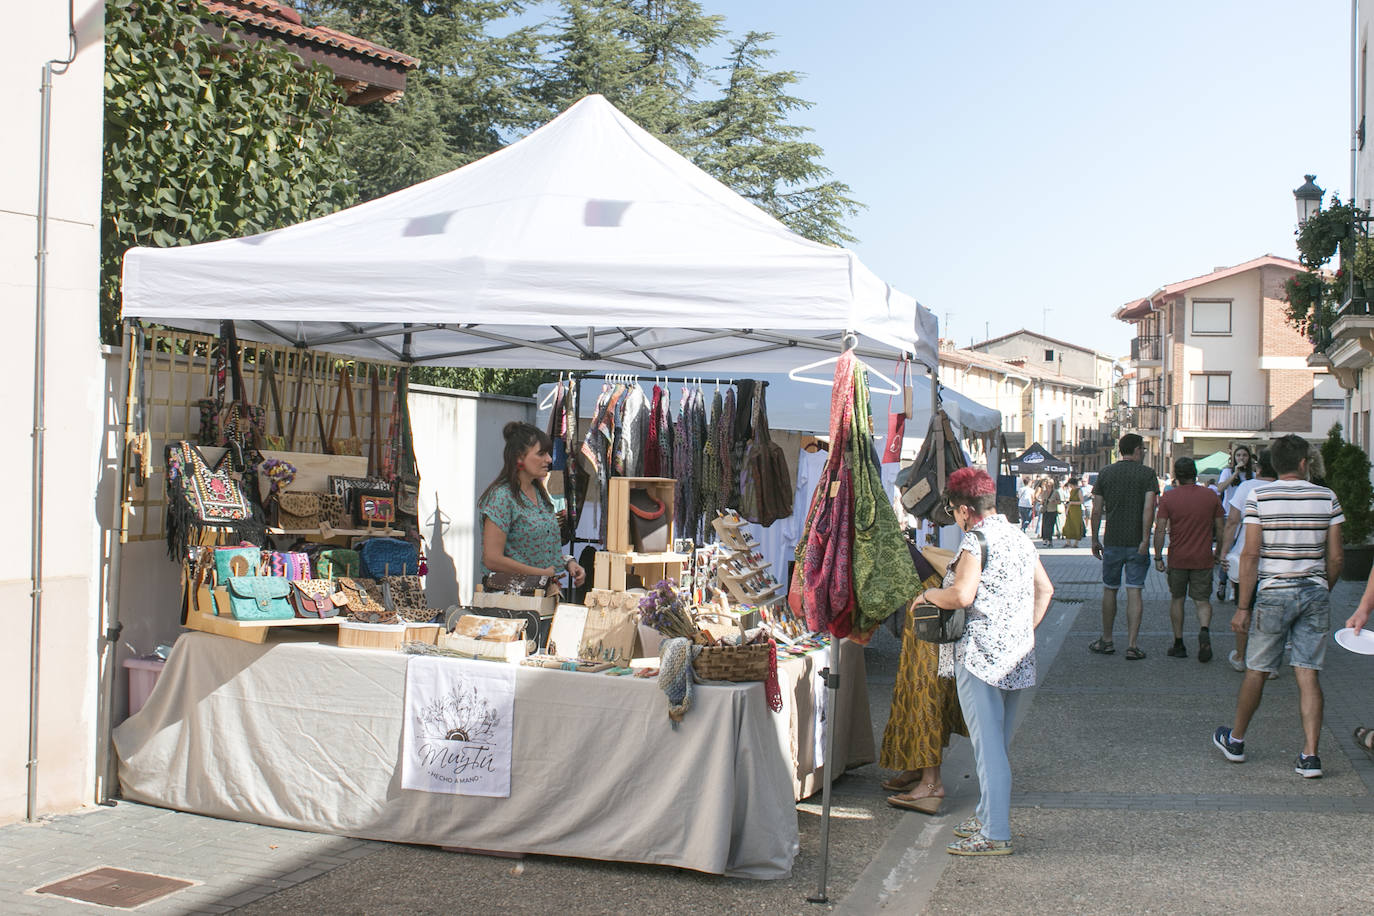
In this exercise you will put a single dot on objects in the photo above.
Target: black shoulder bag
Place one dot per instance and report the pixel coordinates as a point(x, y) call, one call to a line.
point(942, 625)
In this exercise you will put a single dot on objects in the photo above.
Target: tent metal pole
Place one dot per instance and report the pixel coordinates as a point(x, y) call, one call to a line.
point(831, 675)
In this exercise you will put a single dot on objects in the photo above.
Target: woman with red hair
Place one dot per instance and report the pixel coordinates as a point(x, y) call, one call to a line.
point(998, 578)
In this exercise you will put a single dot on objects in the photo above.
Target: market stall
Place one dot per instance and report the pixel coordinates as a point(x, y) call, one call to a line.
point(579, 247)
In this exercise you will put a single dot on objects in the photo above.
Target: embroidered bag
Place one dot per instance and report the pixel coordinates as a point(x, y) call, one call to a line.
point(885, 580)
point(940, 625)
point(388, 557)
point(298, 510)
point(200, 496)
point(289, 565)
point(259, 598)
point(314, 598)
point(336, 562)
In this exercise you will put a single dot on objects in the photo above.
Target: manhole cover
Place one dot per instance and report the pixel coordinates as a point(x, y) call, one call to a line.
point(115, 887)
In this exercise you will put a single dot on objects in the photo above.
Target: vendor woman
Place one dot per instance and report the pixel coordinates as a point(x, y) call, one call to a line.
point(520, 532)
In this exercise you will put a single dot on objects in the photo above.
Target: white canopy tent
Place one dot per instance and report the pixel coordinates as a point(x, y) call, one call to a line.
point(622, 254)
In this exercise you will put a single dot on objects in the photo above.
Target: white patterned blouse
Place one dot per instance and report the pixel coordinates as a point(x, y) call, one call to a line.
point(998, 645)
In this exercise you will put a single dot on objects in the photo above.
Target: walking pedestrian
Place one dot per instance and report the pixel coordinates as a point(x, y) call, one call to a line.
point(1292, 559)
point(1190, 515)
point(1049, 510)
point(1000, 580)
point(1025, 502)
point(1238, 470)
point(1233, 542)
point(1364, 735)
point(1073, 513)
point(1125, 494)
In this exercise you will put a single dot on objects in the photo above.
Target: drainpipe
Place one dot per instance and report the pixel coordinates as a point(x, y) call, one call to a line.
point(39, 377)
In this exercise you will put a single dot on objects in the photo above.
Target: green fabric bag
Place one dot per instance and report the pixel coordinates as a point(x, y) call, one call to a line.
point(259, 598)
point(885, 579)
point(336, 562)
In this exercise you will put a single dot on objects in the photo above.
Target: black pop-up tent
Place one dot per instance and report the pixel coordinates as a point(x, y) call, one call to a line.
point(1038, 460)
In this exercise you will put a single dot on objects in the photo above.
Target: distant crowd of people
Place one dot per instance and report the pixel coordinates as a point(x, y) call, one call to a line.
point(1053, 508)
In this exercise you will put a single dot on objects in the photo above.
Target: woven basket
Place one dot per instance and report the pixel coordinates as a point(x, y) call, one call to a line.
point(732, 663)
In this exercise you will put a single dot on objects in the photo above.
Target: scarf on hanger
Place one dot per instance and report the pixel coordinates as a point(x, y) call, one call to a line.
point(729, 480)
point(665, 438)
point(708, 480)
point(682, 465)
point(653, 459)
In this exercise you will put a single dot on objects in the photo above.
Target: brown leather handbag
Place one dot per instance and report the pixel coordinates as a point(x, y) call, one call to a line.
point(315, 598)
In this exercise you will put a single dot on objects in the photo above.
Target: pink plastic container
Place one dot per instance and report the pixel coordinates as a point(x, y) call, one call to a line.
point(143, 673)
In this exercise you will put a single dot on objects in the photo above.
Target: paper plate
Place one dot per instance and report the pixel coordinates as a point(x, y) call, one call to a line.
point(1361, 641)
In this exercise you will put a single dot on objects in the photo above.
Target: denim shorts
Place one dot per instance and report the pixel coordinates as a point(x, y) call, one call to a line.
point(1296, 614)
point(1135, 563)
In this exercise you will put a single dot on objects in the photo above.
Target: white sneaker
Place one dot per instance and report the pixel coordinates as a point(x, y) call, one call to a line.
point(1236, 661)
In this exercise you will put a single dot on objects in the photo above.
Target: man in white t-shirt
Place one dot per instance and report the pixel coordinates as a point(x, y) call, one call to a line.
point(1291, 561)
point(1025, 502)
point(1234, 540)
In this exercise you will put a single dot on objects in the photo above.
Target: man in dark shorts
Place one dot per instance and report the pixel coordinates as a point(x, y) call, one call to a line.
point(1125, 494)
point(1191, 515)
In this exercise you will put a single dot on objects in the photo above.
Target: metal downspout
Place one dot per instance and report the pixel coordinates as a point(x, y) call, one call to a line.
point(39, 378)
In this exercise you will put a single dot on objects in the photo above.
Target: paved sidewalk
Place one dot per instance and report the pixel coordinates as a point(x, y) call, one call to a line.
point(1120, 805)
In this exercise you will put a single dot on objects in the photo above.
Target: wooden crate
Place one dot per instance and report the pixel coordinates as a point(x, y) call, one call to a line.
point(618, 538)
point(354, 635)
point(611, 568)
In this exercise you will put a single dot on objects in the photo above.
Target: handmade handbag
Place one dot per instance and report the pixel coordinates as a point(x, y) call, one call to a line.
point(648, 522)
point(408, 598)
point(200, 496)
point(259, 598)
point(921, 482)
point(896, 423)
point(940, 625)
point(298, 510)
point(408, 475)
point(884, 579)
point(267, 386)
point(236, 561)
point(336, 562)
point(347, 488)
point(767, 492)
point(351, 444)
point(333, 512)
point(388, 557)
point(361, 606)
point(315, 598)
point(289, 565)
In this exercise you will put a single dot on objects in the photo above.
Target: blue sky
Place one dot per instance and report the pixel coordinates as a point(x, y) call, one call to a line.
point(1017, 157)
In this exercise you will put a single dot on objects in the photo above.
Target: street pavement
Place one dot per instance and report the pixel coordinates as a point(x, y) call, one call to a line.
point(1120, 805)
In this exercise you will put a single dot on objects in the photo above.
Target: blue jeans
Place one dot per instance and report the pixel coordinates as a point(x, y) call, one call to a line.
point(990, 713)
point(1130, 560)
point(1299, 615)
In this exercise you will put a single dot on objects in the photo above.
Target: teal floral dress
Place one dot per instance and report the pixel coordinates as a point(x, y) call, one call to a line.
point(532, 534)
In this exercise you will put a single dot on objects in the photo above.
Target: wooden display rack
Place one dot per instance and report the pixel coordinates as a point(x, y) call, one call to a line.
point(255, 631)
point(612, 567)
point(732, 539)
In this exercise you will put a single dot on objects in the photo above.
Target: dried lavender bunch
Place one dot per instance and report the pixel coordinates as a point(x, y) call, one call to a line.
point(665, 609)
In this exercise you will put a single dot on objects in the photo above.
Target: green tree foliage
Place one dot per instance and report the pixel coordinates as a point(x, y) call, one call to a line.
point(1347, 473)
point(521, 383)
point(470, 91)
point(746, 139)
point(207, 138)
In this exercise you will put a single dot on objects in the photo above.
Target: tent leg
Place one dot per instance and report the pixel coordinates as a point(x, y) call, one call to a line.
point(831, 676)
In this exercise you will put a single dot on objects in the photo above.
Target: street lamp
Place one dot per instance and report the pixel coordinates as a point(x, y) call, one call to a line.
point(1309, 199)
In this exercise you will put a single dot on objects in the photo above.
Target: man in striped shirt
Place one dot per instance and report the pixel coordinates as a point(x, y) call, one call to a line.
point(1291, 561)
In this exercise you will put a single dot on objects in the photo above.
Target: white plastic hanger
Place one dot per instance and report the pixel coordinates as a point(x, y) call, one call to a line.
point(553, 393)
point(796, 376)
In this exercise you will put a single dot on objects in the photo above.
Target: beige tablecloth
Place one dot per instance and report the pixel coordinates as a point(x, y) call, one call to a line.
point(308, 736)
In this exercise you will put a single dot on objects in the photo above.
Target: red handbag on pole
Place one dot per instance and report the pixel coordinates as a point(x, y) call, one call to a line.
point(896, 422)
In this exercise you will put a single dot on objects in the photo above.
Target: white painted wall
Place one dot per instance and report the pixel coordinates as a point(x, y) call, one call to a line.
point(36, 33)
point(1238, 352)
point(458, 447)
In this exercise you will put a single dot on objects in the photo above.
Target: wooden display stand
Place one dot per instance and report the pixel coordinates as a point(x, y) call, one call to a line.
point(207, 621)
point(618, 537)
point(747, 584)
point(612, 567)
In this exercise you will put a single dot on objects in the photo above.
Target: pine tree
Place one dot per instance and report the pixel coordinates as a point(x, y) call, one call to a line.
point(642, 55)
point(746, 139)
point(469, 94)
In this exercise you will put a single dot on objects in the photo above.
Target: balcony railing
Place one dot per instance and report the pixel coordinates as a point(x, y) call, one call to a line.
point(1147, 417)
point(1222, 416)
point(1147, 348)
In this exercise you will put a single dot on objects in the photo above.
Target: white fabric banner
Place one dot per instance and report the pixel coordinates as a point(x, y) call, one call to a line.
point(459, 719)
